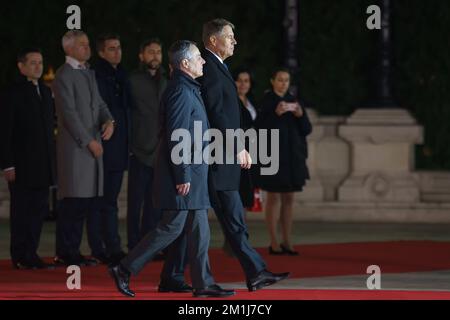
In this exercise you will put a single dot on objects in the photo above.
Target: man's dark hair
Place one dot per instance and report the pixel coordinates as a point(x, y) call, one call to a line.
point(279, 69)
point(179, 51)
point(101, 40)
point(214, 27)
point(22, 55)
point(148, 42)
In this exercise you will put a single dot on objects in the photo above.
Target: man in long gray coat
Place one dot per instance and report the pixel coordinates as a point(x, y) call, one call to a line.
point(83, 121)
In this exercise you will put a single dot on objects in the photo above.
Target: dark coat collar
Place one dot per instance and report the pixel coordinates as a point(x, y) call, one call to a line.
point(208, 55)
point(21, 79)
point(105, 68)
point(181, 76)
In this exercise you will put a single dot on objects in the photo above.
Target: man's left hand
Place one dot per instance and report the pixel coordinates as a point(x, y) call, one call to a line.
point(108, 130)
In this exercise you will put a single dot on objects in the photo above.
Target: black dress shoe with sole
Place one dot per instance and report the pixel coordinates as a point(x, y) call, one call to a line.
point(213, 291)
point(288, 251)
point(265, 278)
point(19, 265)
point(275, 252)
point(79, 260)
point(175, 287)
point(101, 258)
point(39, 264)
point(122, 279)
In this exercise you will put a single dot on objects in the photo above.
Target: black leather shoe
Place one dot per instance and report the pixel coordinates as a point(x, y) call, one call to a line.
point(288, 251)
point(38, 263)
point(213, 291)
point(20, 265)
point(84, 261)
point(122, 279)
point(275, 252)
point(178, 287)
point(265, 278)
point(78, 260)
point(65, 261)
point(101, 258)
point(161, 256)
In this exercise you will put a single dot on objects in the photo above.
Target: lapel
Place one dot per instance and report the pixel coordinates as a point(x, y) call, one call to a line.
point(220, 65)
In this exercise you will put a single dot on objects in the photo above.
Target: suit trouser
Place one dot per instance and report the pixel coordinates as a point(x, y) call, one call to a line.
point(172, 224)
point(140, 180)
point(69, 226)
point(28, 209)
point(103, 225)
point(230, 213)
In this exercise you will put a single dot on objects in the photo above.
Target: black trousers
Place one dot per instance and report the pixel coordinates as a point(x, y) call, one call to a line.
point(103, 225)
point(72, 214)
point(29, 207)
point(195, 225)
point(230, 213)
point(141, 215)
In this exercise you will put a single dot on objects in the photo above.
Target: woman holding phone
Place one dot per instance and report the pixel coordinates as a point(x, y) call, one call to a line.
point(281, 110)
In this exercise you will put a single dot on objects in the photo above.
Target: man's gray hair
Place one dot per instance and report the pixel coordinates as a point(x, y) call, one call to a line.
point(69, 38)
point(179, 51)
point(214, 28)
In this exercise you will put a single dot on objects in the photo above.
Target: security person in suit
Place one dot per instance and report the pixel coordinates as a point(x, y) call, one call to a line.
point(114, 88)
point(181, 187)
point(28, 157)
point(222, 105)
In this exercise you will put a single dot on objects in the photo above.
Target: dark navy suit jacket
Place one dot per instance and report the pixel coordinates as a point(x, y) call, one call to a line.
point(181, 106)
point(114, 88)
point(222, 105)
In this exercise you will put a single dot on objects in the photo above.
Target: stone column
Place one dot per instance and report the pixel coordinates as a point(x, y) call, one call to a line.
point(313, 190)
point(333, 156)
point(382, 156)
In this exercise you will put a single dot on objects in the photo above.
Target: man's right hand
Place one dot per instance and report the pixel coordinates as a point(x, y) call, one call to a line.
point(244, 159)
point(95, 148)
point(10, 175)
point(183, 189)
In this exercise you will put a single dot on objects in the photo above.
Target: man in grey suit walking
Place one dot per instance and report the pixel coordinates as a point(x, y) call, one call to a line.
point(181, 188)
point(83, 121)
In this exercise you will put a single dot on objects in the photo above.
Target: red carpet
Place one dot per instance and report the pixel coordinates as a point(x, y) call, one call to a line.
point(316, 260)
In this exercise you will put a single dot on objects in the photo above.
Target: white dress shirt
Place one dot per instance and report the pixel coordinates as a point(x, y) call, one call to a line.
point(74, 63)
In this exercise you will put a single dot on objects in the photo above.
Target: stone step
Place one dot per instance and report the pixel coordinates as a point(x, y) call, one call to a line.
point(434, 186)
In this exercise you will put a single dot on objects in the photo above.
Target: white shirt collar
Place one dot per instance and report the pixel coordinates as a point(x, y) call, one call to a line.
point(74, 63)
point(220, 59)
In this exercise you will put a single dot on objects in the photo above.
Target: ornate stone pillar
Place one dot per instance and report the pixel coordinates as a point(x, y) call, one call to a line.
point(382, 156)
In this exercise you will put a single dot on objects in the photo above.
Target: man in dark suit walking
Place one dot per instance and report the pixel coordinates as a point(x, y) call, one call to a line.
point(28, 157)
point(222, 105)
point(181, 187)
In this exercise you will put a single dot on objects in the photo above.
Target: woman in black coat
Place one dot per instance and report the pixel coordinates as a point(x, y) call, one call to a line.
point(281, 110)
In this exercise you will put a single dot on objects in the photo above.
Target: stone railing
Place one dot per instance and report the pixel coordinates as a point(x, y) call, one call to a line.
point(362, 169)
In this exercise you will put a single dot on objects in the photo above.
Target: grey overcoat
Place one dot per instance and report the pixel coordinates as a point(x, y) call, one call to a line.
point(81, 113)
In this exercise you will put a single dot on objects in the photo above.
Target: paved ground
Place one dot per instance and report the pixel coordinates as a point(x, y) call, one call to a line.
point(309, 233)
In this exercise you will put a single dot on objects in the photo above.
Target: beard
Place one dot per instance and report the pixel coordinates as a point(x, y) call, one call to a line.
point(153, 64)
